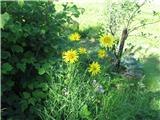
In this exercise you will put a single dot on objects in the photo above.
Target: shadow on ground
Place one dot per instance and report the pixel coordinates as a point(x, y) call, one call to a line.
point(152, 72)
point(152, 81)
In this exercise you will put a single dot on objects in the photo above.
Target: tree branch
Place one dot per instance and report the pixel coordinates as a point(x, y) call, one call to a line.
point(137, 27)
point(133, 14)
point(121, 46)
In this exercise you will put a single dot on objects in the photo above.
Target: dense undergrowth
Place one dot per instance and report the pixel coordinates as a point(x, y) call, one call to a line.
point(40, 80)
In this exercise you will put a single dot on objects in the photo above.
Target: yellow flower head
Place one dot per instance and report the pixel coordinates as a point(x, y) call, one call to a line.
point(70, 56)
point(107, 40)
point(74, 37)
point(82, 50)
point(94, 68)
point(101, 53)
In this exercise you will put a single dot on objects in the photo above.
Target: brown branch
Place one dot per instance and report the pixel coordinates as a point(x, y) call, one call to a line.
point(110, 28)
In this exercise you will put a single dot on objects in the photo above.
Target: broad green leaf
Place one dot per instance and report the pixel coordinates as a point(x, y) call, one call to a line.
point(38, 94)
point(21, 3)
point(85, 113)
point(45, 87)
point(32, 101)
point(6, 67)
point(5, 54)
point(46, 66)
point(10, 83)
point(4, 19)
point(41, 71)
point(21, 66)
point(75, 11)
point(29, 57)
point(26, 95)
point(31, 86)
point(17, 48)
point(24, 105)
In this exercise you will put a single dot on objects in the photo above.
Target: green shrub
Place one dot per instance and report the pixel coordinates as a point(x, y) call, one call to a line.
point(31, 34)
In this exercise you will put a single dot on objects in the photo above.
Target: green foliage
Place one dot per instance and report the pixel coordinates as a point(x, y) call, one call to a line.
point(31, 32)
point(4, 19)
point(6, 67)
point(21, 2)
point(84, 112)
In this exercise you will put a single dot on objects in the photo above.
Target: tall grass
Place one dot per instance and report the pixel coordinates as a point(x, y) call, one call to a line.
point(75, 95)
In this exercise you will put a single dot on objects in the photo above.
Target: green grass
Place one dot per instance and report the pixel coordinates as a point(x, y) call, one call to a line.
point(73, 95)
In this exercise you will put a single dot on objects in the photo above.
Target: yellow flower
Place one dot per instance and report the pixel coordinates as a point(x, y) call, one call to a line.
point(107, 40)
point(70, 56)
point(94, 68)
point(82, 50)
point(74, 37)
point(101, 53)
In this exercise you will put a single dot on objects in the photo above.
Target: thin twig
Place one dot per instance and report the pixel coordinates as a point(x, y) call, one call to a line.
point(110, 27)
point(133, 14)
point(137, 27)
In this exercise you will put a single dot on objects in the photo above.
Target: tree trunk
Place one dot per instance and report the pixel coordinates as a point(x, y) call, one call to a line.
point(121, 46)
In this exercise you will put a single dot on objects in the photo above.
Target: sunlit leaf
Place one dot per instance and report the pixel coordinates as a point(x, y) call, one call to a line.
point(21, 3)
point(4, 19)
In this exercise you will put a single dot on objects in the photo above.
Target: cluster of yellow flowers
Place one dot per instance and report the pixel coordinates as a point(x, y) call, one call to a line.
point(72, 56)
point(105, 40)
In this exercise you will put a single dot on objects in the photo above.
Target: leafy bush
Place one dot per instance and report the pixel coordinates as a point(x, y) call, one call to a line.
point(31, 34)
